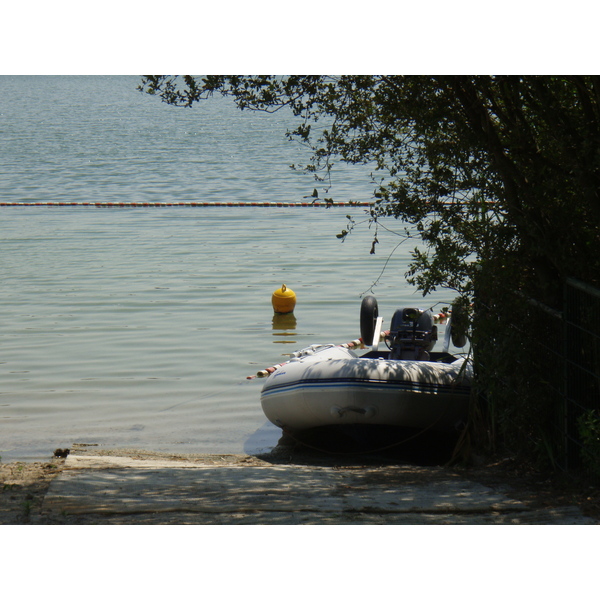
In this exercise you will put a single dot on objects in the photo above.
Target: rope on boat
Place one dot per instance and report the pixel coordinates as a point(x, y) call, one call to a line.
point(439, 318)
point(357, 343)
point(194, 204)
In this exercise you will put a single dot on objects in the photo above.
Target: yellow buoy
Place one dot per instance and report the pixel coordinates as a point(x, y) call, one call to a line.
point(283, 300)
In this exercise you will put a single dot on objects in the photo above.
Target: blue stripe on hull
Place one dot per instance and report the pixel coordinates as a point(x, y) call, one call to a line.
point(382, 385)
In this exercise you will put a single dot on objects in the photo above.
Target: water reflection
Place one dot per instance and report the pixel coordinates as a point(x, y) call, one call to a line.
point(284, 326)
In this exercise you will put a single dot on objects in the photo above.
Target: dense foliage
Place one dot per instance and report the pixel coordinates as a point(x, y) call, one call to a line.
point(500, 175)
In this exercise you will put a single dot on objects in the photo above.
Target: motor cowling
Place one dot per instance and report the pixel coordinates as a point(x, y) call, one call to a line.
point(412, 334)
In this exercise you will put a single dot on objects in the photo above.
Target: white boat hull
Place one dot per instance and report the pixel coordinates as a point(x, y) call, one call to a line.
point(333, 386)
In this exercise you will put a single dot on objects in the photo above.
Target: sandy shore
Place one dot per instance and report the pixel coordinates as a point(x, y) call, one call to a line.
point(23, 485)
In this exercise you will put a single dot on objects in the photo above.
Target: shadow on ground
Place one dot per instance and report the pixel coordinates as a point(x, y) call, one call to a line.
point(364, 446)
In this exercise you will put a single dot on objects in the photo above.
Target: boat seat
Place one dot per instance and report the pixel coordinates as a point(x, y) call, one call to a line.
point(417, 353)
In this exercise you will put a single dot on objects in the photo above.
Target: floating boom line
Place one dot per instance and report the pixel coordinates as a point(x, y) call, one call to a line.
point(191, 204)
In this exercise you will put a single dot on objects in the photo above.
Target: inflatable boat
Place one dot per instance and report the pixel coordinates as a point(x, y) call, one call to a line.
point(408, 385)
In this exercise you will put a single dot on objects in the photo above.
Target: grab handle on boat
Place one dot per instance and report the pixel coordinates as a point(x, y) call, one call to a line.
point(377, 334)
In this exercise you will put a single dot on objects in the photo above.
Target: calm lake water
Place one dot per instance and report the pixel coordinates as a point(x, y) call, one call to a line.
point(138, 327)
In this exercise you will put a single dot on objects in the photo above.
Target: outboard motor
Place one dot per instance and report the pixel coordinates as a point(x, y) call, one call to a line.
point(412, 334)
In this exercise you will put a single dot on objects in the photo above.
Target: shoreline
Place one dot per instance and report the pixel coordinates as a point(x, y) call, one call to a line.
point(24, 486)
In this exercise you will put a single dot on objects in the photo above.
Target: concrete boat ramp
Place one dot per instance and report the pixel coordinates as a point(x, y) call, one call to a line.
point(133, 487)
